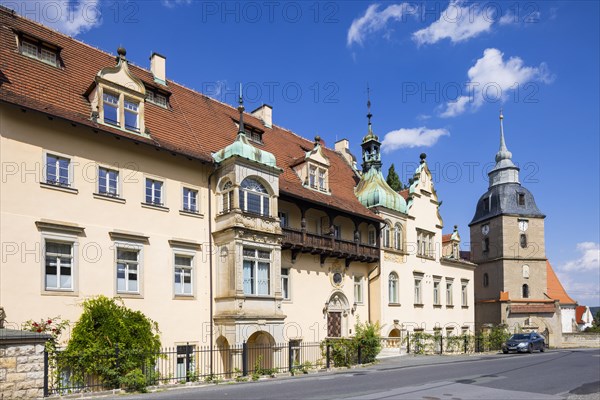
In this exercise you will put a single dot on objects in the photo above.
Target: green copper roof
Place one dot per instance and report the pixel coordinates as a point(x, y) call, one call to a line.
point(242, 148)
point(373, 191)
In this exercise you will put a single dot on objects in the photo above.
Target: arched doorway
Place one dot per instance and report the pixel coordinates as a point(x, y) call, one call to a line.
point(395, 333)
point(337, 313)
point(223, 362)
point(261, 346)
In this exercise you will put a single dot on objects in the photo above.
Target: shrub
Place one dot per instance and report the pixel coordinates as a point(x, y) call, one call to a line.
point(113, 343)
point(344, 352)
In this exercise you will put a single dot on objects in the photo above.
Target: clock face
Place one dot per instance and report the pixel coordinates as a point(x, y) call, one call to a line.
point(485, 229)
point(523, 225)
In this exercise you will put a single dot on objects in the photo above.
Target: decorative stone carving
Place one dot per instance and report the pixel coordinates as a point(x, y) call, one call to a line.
point(2, 317)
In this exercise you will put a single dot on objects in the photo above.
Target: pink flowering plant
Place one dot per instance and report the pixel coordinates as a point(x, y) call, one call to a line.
point(53, 327)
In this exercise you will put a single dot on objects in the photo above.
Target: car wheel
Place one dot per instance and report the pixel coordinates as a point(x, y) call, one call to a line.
point(505, 351)
point(543, 348)
point(530, 348)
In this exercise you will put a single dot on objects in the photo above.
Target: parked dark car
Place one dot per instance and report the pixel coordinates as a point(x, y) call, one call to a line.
point(524, 342)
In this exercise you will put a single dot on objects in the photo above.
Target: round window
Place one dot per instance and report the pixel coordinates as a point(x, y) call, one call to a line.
point(337, 278)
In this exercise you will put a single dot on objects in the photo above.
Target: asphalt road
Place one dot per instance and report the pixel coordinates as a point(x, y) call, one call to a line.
point(552, 375)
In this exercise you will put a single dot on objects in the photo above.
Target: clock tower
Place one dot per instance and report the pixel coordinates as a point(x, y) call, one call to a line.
point(508, 246)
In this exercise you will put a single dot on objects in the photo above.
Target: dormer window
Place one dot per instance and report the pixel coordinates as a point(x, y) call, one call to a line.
point(254, 134)
point(111, 108)
point(38, 50)
point(521, 199)
point(486, 204)
point(131, 111)
point(322, 173)
point(117, 97)
point(157, 97)
point(317, 177)
point(121, 111)
point(312, 176)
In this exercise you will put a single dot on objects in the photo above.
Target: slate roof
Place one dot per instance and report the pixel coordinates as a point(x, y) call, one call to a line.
point(194, 125)
point(504, 201)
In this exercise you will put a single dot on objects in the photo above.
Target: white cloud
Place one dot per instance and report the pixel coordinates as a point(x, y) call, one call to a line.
point(375, 20)
point(492, 78)
point(457, 22)
point(582, 287)
point(423, 117)
point(588, 260)
point(68, 17)
point(412, 137)
point(174, 3)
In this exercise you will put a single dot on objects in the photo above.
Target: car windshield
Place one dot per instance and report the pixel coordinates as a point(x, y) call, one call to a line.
point(520, 336)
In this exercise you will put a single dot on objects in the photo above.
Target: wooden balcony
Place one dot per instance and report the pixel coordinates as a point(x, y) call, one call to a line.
point(327, 246)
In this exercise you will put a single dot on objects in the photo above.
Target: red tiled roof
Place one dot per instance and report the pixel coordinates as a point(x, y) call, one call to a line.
point(404, 193)
point(532, 308)
point(446, 238)
point(195, 125)
point(579, 310)
point(556, 291)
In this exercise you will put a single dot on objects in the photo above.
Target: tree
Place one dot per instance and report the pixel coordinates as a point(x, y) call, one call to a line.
point(393, 180)
point(113, 343)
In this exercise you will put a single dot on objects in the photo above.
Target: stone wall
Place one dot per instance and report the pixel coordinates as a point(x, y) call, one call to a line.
point(581, 339)
point(21, 366)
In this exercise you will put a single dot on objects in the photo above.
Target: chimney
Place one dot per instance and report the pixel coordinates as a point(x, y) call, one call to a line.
point(343, 147)
point(158, 66)
point(265, 114)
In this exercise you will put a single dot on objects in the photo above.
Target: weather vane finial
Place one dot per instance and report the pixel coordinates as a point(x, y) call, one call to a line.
point(369, 115)
point(241, 110)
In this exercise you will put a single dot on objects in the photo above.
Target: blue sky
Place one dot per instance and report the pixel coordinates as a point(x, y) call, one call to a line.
point(438, 73)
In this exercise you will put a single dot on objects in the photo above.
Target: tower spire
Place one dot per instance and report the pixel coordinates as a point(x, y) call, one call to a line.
point(241, 110)
point(505, 171)
point(503, 153)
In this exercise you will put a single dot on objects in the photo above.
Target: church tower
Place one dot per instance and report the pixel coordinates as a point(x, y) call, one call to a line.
point(508, 245)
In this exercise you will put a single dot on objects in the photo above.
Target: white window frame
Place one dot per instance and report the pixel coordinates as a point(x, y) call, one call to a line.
point(449, 292)
point(192, 271)
point(358, 289)
point(129, 246)
point(286, 278)
point(190, 190)
point(255, 260)
point(437, 300)
point(162, 191)
point(27, 47)
point(58, 157)
point(393, 295)
point(227, 196)
point(312, 176)
point(371, 237)
point(418, 290)
point(60, 239)
point(117, 192)
point(322, 179)
point(116, 105)
point(264, 197)
point(386, 235)
point(398, 237)
point(464, 293)
point(133, 111)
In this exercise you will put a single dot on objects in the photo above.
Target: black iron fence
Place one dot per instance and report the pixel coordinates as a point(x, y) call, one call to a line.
point(122, 368)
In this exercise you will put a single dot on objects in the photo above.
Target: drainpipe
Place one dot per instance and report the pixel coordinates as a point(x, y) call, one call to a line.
point(210, 265)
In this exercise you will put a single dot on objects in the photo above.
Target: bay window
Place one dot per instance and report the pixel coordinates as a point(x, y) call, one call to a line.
point(256, 271)
point(254, 197)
